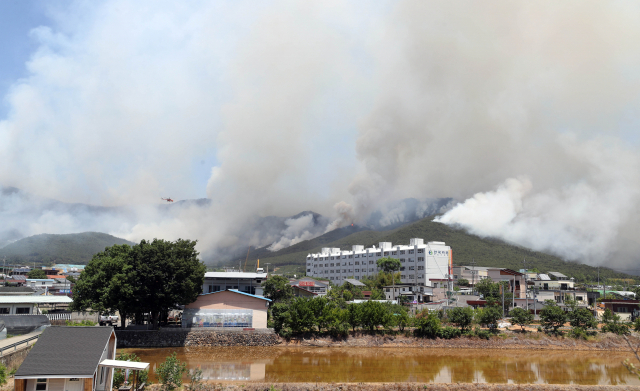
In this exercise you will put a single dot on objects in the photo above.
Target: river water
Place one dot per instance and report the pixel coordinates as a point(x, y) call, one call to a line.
point(298, 364)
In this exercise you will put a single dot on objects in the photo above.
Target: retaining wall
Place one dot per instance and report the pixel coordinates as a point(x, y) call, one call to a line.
point(195, 337)
point(13, 359)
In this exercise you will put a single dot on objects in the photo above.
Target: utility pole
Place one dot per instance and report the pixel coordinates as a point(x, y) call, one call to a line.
point(595, 301)
point(502, 289)
point(473, 274)
point(526, 285)
point(267, 268)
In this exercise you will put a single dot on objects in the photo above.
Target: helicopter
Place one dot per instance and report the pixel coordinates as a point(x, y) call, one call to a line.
point(167, 199)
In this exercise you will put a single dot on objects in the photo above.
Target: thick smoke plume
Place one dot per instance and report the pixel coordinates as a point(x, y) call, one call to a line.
point(286, 106)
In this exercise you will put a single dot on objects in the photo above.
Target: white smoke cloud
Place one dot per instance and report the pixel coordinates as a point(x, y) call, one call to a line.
point(308, 105)
point(297, 230)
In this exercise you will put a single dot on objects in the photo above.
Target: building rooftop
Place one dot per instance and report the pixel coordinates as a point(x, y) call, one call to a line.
point(544, 277)
point(353, 282)
point(234, 275)
point(237, 291)
point(66, 351)
point(33, 299)
point(557, 274)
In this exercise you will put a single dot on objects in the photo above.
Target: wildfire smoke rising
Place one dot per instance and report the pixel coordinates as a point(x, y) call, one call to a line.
point(528, 110)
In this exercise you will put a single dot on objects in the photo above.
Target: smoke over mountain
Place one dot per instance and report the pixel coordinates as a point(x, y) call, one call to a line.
point(342, 108)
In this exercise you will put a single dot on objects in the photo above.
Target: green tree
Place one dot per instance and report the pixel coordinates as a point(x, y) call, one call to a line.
point(521, 317)
point(37, 274)
point(461, 317)
point(300, 315)
point(390, 265)
point(375, 314)
point(150, 277)
point(612, 323)
point(427, 324)
point(463, 282)
point(118, 374)
point(552, 316)
point(582, 318)
point(170, 372)
point(354, 316)
point(490, 316)
point(277, 289)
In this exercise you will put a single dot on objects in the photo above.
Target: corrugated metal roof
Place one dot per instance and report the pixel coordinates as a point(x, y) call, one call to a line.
point(237, 291)
point(353, 282)
point(557, 274)
point(31, 299)
point(544, 277)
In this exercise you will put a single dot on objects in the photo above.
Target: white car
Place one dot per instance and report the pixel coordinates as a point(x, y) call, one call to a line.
point(108, 319)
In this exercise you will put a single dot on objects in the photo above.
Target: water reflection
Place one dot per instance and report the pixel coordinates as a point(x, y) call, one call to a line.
point(282, 364)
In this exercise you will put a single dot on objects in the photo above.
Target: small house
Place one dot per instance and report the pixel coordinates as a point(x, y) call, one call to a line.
point(228, 308)
point(301, 292)
point(72, 359)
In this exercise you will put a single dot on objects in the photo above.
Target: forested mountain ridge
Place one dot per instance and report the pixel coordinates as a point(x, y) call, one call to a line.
point(466, 248)
point(67, 248)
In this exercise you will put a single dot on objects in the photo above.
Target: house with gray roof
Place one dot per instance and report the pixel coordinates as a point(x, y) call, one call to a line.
point(72, 359)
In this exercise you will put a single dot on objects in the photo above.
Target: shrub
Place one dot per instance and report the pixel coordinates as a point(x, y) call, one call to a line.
point(612, 323)
point(449, 332)
point(3, 375)
point(170, 372)
point(81, 323)
point(195, 380)
point(427, 324)
point(636, 324)
point(483, 334)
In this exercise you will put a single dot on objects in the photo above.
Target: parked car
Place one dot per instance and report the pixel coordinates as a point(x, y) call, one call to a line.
point(108, 319)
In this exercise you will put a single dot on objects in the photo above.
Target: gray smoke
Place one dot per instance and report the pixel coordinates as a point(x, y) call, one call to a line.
point(311, 105)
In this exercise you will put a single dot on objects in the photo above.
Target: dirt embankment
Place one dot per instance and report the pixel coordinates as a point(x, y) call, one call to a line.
point(534, 341)
point(407, 387)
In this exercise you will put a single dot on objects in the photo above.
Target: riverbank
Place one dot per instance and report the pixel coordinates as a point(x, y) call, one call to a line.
point(513, 340)
point(405, 387)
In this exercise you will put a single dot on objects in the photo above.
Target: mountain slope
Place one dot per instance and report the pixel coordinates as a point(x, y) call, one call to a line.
point(69, 248)
point(466, 248)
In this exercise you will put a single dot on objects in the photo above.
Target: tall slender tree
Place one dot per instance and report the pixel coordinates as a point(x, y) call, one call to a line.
point(390, 265)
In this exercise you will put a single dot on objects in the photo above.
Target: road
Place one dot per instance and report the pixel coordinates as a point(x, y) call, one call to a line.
point(18, 338)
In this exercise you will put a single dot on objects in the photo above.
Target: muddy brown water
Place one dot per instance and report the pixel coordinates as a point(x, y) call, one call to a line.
point(354, 365)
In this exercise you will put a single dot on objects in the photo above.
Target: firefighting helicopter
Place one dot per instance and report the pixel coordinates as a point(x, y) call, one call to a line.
point(167, 199)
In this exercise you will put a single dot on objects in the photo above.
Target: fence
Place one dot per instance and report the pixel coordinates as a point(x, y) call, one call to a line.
point(15, 345)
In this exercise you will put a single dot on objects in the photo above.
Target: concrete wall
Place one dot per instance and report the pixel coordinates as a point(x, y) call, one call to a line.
point(196, 337)
point(13, 360)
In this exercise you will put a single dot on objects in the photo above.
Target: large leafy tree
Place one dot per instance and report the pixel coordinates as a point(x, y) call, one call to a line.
point(150, 277)
point(461, 317)
point(277, 289)
point(552, 316)
point(521, 317)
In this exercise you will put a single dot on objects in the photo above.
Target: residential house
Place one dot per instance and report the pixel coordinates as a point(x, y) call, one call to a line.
point(320, 287)
point(473, 274)
point(413, 293)
point(517, 281)
point(16, 291)
point(40, 282)
point(301, 292)
point(72, 359)
point(228, 308)
point(627, 309)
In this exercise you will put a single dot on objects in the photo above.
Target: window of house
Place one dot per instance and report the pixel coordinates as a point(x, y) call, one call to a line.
point(41, 384)
point(420, 250)
point(402, 268)
point(402, 260)
point(370, 262)
point(357, 270)
point(420, 258)
point(401, 252)
point(378, 254)
point(350, 256)
point(410, 251)
point(4, 310)
point(357, 256)
point(622, 309)
point(420, 267)
point(22, 310)
point(402, 276)
point(412, 267)
point(386, 253)
point(394, 253)
point(411, 260)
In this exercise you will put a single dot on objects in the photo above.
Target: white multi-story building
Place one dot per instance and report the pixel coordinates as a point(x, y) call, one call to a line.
point(420, 262)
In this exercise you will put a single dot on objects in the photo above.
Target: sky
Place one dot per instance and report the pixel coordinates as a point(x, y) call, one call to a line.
point(525, 113)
